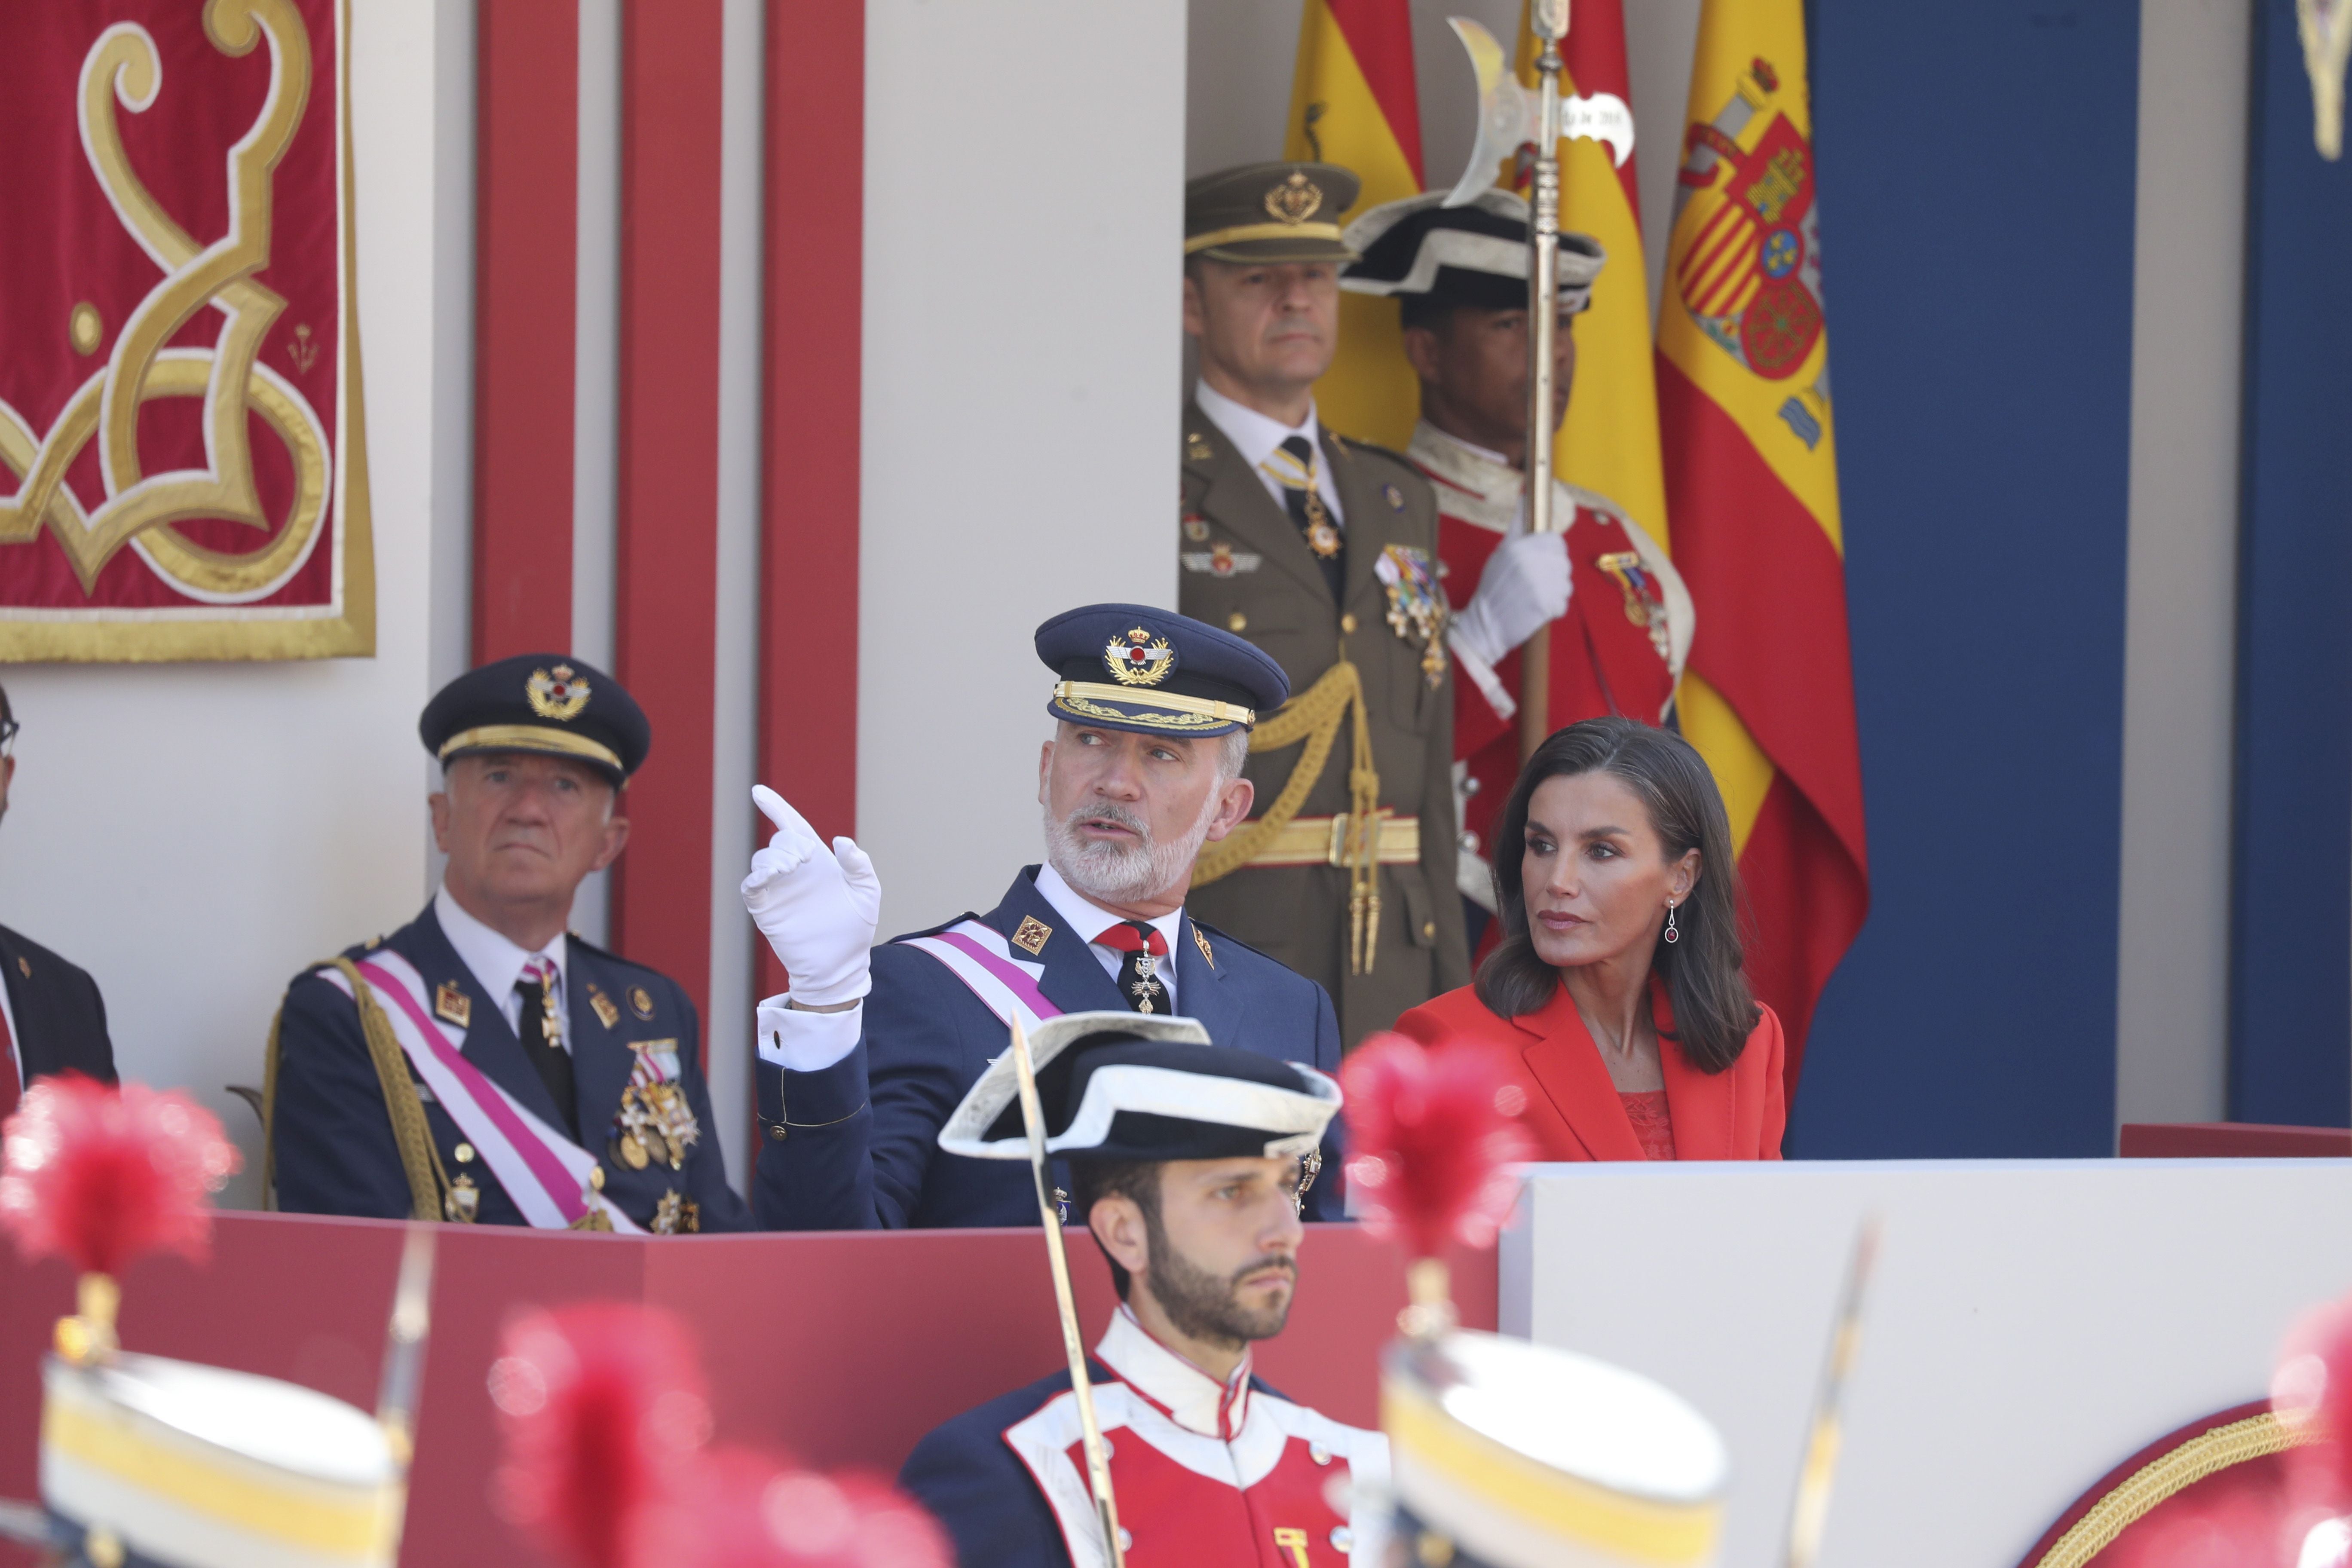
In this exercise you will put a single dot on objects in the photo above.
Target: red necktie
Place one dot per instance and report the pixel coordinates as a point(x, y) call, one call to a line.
point(12, 1088)
point(1138, 983)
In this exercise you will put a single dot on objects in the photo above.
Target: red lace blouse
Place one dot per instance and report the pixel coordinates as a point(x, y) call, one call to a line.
point(1654, 1125)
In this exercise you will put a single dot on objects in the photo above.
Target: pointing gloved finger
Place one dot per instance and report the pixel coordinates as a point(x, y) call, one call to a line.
point(779, 810)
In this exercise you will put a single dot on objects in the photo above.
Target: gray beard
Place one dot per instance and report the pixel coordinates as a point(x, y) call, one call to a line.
point(1114, 874)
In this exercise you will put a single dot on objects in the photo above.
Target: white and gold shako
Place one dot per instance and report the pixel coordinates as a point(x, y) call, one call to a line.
point(1129, 667)
point(1510, 1455)
point(146, 1460)
point(1131, 1086)
point(545, 702)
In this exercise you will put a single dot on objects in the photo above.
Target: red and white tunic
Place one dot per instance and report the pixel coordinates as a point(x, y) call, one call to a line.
point(1206, 1472)
point(1619, 649)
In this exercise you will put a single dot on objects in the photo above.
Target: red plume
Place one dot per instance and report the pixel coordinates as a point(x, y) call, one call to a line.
point(755, 1510)
point(1429, 1132)
point(102, 1176)
point(604, 1413)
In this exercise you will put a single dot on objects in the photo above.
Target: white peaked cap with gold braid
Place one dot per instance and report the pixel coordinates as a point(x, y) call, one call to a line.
point(1510, 1455)
point(149, 1460)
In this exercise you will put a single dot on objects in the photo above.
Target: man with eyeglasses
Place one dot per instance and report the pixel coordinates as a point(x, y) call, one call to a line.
point(52, 1019)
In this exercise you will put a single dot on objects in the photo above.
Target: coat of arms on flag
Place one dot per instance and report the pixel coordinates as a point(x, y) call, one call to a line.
point(183, 473)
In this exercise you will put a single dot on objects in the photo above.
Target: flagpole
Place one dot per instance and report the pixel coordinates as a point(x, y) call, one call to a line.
point(1547, 19)
point(1033, 1118)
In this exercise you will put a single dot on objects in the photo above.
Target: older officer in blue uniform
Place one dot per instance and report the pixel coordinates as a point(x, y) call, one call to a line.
point(861, 1063)
point(480, 1064)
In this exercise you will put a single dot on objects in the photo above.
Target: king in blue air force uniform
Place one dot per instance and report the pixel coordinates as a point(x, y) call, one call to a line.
point(863, 1061)
point(533, 1079)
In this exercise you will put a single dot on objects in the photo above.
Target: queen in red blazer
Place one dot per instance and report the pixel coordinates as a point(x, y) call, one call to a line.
point(1616, 990)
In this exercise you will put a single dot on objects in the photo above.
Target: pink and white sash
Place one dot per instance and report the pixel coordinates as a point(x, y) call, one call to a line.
point(545, 1172)
point(980, 957)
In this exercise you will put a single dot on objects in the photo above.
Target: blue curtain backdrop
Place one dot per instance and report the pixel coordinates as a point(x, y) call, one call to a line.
point(1977, 169)
point(2290, 996)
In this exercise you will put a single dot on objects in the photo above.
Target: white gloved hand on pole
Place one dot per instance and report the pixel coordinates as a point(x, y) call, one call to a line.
point(1525, 585)
point(817, 907)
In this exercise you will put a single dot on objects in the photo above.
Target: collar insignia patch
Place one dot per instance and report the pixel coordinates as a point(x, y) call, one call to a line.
point(557, 694)
point(1203, 943)
point(451, 1002)
point(1139, 659)
point(1197, 447)
point(1030, 938)
point(606, 1013)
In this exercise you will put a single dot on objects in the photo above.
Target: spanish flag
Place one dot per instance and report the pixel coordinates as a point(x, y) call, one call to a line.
point(1609, 442)
point(1353, 102)
point(1752, 476)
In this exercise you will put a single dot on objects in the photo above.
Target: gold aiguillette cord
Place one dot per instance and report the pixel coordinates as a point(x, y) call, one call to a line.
point(1033, 1117)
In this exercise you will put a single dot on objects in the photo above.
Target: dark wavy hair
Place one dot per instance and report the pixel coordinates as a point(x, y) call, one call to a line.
point(1714, 1009)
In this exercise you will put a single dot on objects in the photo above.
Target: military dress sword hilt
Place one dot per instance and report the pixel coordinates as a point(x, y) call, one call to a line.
point(1033, 1118)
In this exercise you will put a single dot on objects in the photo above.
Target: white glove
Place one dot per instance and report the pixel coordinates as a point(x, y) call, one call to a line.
point(1525, 585)
point(816, 909)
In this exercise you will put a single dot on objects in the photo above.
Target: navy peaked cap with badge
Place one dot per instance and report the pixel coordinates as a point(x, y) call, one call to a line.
point(1475, 255)
point(1121, 1086)
point(545, 702)
point(1129, 667)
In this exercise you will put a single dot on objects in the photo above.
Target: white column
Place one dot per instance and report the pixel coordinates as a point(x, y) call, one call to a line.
point(1023, 237)
point(2173, 940)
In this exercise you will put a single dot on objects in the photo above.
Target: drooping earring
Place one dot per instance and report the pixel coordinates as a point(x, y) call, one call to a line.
point(1672, 935)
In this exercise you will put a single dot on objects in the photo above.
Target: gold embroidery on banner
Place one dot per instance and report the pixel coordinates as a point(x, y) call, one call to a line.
point(143, 509)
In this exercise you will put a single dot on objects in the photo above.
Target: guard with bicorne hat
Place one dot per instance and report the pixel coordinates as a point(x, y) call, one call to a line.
point(1622, 617)
point(482, 1064)
point(1184, 1160)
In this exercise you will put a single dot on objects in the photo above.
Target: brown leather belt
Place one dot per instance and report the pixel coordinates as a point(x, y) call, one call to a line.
point(1323, 841)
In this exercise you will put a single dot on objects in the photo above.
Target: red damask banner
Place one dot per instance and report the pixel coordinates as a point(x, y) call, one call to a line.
point(182, 462)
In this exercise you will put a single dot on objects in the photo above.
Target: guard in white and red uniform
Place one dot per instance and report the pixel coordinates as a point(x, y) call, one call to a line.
point(1620, 617)
point(1186, 1160)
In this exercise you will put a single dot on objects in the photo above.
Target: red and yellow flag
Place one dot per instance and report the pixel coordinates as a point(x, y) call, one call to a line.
point(1751, 474)
point(1353, 102)
point(1609, 442)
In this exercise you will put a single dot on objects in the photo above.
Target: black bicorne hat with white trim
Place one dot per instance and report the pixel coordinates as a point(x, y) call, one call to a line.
point(1128, 1086)
point(1475, 255)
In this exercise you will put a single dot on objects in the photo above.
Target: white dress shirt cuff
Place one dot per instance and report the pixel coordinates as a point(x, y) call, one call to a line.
point(799, 1041)
point(1482, 675)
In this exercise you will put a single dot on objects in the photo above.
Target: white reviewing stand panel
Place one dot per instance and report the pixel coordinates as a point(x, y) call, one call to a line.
point(2030, 1323)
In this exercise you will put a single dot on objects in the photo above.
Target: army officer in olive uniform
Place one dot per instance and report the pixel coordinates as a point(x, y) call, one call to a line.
point(481, 1064)
point(1322, 552)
